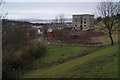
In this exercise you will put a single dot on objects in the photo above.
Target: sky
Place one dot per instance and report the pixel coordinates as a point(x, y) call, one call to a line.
point(36, 9)
point(55, 0)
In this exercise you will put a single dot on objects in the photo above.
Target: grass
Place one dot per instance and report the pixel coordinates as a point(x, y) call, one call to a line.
point(56, 52)
point(56, 55)
point(99, 63)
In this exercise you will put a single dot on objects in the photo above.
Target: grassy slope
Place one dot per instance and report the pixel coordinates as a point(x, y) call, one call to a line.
point(102, 63)
point(57, 53)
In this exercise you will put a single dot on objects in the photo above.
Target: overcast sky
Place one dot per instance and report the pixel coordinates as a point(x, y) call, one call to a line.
point(56, 0)
point(34, 9)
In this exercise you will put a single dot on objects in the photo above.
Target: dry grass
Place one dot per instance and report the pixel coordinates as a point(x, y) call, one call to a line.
point(105, 39)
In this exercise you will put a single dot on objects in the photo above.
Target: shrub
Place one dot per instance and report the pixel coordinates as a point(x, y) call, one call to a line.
point(15, 60)
point(11, 61)
point(34, 50)
point(17, 47)
point(37, 50)
point(16, 36)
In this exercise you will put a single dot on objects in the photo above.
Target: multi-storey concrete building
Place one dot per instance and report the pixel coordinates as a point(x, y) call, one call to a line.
point(83, 22)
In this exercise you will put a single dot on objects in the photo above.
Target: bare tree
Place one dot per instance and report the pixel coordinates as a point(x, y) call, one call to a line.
point(109, 12)
point(60, 21)
point(0, 7)
point(1, 1)
point(55, 21)
point(61, 18)
point(3, 14)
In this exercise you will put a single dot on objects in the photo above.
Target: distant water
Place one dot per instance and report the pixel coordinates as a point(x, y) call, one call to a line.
point(41, 20)
point(46, 21)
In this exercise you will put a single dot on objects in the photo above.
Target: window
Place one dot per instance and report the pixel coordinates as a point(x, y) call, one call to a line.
point(84, 19)
point(81, 27)
point(75, 20)
point(84, 25)
point(84, 22)
point(75, 25)
point(81, 22)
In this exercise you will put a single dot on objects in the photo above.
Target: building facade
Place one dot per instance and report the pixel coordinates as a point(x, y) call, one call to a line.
point(83, 22)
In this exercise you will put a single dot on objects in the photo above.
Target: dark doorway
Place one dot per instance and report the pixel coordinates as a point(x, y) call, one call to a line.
point(81, 27)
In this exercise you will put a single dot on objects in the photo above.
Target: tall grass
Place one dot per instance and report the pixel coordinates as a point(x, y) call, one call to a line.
point(17, 60)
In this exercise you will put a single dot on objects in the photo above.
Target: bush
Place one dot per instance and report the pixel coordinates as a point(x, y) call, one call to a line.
point(34, 50)
point(16, 36)
point(18, 47)
point(15, 60)
point(37, 50)
point(11, 61)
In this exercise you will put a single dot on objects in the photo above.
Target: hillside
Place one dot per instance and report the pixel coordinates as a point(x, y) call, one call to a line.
point(101, 62)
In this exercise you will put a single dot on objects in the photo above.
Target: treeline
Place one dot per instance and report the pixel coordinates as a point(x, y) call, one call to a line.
point(19, 46)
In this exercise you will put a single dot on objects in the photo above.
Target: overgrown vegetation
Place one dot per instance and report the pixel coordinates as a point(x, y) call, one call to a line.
point(19, 46)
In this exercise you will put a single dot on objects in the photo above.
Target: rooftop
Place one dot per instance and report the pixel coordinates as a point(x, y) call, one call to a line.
point(82, 14)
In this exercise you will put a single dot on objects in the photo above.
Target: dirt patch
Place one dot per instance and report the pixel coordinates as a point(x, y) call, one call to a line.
point(78, 37)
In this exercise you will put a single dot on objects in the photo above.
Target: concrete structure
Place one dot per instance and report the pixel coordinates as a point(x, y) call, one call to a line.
point(83, 22)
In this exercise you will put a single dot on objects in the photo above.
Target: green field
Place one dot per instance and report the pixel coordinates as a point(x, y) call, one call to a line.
point(75, 62)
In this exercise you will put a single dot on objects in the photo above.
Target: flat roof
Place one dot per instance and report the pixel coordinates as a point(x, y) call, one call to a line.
point(82, 14)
